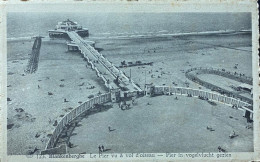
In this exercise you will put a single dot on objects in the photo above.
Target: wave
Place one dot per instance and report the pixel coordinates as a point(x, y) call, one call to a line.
point(24, 38)
point(106, 33)
point(126, 35)
point(163, 31)
point(18, 38)
point(165, 34)
point(208, 33)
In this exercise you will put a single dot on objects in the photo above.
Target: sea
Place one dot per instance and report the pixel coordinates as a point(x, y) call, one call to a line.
point(22, 25)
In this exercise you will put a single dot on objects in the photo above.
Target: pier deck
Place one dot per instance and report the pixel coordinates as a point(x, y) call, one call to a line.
point(108, 71)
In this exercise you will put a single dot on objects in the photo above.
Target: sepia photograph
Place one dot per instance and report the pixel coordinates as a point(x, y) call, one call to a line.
point(129, 82)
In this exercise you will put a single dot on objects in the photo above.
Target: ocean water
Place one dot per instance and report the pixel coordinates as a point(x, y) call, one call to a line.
point(28, 24)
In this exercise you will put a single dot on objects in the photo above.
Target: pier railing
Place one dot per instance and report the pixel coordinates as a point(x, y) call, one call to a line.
point(192, 75)
point(159, 90)
point(97, 71)
point(73, 114)
point(222, 72)
point(112, 69)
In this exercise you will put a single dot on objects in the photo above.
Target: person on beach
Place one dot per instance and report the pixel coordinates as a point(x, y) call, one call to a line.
point(99, 148)
point(70, 145)
point(133, 101)
point(232, 135)
point(103, 149)
point(122, 107)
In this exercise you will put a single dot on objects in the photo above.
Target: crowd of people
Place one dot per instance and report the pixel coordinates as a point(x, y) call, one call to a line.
point(101, 148)
point(123, 105)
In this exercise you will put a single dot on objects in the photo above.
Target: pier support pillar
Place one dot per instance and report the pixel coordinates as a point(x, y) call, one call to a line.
point(72, 48)
point(149, 89)
point(251, 116)
point(115, 95)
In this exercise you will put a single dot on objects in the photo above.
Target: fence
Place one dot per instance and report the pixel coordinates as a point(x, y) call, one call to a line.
point(230, 75)
point(97, 71)
point(74, 114)
point(158, 90)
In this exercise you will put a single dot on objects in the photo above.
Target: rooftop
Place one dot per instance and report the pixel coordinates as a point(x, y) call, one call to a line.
point(68, 22)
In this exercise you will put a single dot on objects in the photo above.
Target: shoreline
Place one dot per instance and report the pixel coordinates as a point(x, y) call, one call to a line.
point(147, 35)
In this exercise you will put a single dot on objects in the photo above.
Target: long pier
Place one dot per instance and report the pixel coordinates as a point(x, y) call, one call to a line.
point(112, 76)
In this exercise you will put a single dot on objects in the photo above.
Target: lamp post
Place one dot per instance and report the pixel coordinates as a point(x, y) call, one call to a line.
point(130, 73)
point(144, 78)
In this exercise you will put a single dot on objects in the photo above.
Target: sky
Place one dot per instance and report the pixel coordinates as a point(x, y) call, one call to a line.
point(125, 6)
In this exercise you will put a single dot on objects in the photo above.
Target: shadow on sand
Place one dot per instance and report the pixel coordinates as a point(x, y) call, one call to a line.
point(67, 131)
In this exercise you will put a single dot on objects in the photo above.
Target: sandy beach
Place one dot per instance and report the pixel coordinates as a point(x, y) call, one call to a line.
point(32, 112)
point(172, 56)
point(179, 126)
point(62, 73)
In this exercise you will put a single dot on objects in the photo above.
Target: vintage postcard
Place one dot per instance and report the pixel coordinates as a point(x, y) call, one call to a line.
point(129, 80)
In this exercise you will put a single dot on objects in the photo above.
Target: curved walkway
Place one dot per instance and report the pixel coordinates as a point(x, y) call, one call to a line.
point(163, 125)
point(225, 97)
point(68, 118)
point(158, 90)
point(235, 76)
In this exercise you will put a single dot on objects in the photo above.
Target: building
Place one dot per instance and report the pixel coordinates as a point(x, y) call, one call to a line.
point(63, 27)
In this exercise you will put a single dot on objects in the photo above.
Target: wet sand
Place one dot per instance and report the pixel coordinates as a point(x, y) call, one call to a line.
point(63, 74)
